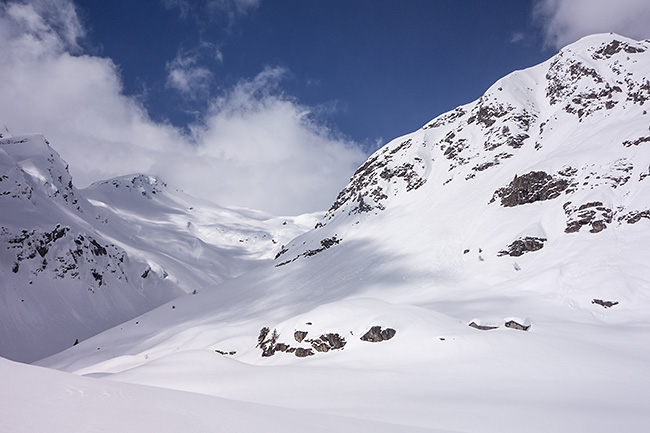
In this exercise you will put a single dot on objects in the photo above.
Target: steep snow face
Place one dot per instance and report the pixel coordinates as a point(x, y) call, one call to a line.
point(74, 263)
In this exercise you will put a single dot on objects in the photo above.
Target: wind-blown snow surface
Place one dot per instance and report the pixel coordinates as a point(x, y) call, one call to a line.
point(527, 209)
point(75, 263)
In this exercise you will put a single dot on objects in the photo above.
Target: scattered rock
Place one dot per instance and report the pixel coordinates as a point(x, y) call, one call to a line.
point(522, 246)
point(266, 343)
point(376, 334)
point(530, 188)
point(605, 304)
point(512, 323)
point(628, 143)
point(270, 345)
point(325, 244)
point(593, 214)
point(615, 47)
point(299, 336)
point(482, 327)
point(515, 325)
point(320, 346)
point(634, 217)
point(335, 341)
point(302, 353)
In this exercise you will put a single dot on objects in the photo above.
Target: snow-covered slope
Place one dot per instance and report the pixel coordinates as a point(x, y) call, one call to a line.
point(44, 400)
point(489, 272)
point(70, 267)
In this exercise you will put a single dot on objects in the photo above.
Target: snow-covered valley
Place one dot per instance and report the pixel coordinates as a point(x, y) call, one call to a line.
point(489, 272)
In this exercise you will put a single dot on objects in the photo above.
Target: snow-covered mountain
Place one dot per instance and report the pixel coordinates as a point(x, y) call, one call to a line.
point(75, 263)
point(488, 272)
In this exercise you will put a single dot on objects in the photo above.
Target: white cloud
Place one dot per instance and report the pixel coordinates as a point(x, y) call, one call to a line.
point(186, 76)
point(255, 146)
point(517, 37)
point(212, 8)
point(565, 21)
point(184, 6)
point(232, 7)
point(42, 24)
point(269, 146)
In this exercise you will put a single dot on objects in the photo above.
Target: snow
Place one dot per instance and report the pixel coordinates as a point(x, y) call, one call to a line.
point(424, 259)
point(47, 400)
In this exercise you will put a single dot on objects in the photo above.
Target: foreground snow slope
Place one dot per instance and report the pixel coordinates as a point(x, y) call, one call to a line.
point(74, 263)
point(43, 400)
point(497, 261)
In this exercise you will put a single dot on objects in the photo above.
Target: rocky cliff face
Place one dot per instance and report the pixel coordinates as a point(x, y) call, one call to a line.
point(567, 138)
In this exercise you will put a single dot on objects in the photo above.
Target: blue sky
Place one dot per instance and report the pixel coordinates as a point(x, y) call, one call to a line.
point(265, 104)
point(376, 69)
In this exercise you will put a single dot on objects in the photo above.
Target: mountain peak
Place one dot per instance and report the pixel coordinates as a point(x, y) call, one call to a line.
point(34, 173)
point(143, 184)
point(566, 137)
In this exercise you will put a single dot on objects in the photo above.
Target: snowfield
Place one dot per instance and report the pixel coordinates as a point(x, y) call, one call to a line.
point(489, 272)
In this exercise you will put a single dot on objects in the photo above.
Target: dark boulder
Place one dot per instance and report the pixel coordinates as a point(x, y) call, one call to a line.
point(299, 336)
point(302, 353)
point(376, 334)
point(514, 325)
point(530, 188)
point(604, 304)
point(335, 341)
point(522, 246)
point(482, 327)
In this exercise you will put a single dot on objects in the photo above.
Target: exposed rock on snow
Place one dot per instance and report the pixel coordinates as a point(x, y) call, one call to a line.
point(522, 246)
point(299, 336)
point(531, 187)
point(634, 217)
point(604, 304)
point(324, 245)
point(516, 325)
point(376, 334)
point(490, 324)
point(475, 325)
point(593, 214)
point(270, 345)
point(303, 353)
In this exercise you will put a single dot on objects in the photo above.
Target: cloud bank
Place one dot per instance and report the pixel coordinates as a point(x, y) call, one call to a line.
point(565, 21)
point(255, 147)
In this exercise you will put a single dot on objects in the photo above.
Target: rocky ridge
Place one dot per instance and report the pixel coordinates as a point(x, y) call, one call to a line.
point(571, 133)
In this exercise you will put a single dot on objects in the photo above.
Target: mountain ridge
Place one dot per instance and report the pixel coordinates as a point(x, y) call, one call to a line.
point(77, 262)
